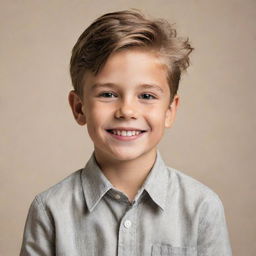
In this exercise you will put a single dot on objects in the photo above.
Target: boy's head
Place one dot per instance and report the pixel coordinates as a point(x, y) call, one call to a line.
point(125, 71)
point(117, 31)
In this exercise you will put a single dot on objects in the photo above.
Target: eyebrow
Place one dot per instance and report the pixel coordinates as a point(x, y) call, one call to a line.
point(112, 85)
point(99, 85)
point(152, 86)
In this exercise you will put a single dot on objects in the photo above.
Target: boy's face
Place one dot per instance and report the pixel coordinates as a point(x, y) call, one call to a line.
point(130, 93)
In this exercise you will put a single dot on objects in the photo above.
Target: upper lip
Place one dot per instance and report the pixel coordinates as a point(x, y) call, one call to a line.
point(126, 129)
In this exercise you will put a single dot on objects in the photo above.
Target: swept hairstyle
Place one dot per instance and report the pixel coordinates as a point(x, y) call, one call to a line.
point(126, 29)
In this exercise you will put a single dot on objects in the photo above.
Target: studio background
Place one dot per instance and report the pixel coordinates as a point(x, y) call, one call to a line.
point(212, 140)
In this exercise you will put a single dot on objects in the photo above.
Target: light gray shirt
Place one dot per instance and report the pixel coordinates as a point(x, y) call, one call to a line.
point(85, 215)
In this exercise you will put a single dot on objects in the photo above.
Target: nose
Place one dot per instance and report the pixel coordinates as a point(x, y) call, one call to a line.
point(126, 110)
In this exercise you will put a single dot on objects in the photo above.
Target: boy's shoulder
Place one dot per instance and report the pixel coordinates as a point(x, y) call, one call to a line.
point(65, 189)
point(180, 184)
point(192, 190)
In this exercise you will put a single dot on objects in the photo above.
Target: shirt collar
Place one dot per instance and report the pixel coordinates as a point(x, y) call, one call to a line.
point(94, 182)
point(96, 185)
point(156, 184)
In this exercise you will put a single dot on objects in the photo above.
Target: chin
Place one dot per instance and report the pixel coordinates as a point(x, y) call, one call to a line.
point(125, 155)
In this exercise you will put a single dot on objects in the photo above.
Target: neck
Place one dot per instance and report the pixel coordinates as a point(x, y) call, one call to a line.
point(128, 175)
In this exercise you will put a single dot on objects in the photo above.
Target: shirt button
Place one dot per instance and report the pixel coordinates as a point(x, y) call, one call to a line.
point(117, 196)
point(127, 223)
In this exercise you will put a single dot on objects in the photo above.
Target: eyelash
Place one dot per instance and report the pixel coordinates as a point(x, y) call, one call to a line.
point(104, 93)
point(152, 96)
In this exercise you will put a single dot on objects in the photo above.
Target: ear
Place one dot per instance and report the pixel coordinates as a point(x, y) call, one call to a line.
point(171, 111)
point(76, 105)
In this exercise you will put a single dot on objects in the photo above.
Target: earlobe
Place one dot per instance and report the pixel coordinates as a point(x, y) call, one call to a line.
point(77, 108)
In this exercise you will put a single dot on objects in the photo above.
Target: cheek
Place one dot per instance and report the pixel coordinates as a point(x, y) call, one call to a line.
point(97, 117)
point(157, 116)
point(96, 113)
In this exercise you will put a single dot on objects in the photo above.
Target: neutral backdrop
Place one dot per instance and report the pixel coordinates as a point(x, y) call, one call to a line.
point(213, 139)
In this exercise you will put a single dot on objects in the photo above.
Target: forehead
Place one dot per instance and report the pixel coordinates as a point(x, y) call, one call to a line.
point(133, 59)
point(132, 67)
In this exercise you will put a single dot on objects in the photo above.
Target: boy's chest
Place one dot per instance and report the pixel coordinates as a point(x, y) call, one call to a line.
point(116, 228)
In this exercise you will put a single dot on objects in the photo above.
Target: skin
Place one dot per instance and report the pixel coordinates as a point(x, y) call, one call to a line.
point(122, 101)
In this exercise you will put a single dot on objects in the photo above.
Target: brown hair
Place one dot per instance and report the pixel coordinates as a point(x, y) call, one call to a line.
point(122, 30)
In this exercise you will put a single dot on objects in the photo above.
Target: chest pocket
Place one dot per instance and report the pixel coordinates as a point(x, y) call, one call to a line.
point(168, 250)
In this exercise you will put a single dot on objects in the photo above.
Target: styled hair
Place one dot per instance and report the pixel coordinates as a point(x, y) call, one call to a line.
point(121, 30)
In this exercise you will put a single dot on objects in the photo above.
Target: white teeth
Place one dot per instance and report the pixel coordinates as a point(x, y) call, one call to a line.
point(129, 133)
point(126, 133)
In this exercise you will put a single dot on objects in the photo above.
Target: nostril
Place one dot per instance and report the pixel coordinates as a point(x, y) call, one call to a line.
point(125, 112)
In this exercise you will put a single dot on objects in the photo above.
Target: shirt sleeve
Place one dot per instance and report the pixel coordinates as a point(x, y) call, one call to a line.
point(38, 236)
point(213, 238)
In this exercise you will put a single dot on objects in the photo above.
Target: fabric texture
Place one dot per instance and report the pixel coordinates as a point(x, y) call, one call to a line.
point(172, 214)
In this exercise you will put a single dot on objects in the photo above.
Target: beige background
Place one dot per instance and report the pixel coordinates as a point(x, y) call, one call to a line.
point(212, 140)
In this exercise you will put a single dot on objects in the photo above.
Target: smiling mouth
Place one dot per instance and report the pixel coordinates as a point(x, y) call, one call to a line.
point(126, 133)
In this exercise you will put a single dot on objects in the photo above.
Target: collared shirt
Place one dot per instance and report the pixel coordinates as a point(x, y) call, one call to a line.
point(85, 215)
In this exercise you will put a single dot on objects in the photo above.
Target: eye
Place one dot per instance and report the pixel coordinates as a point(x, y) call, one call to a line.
point(107, 95)
point(147, 96)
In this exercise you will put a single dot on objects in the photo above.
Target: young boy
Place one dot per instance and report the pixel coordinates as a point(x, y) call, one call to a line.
point(125, 70)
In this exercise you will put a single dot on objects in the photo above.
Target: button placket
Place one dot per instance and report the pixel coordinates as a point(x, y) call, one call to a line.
point(126, 244)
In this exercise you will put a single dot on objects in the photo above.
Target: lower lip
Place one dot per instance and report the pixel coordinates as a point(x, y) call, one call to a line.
point(126, 138)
